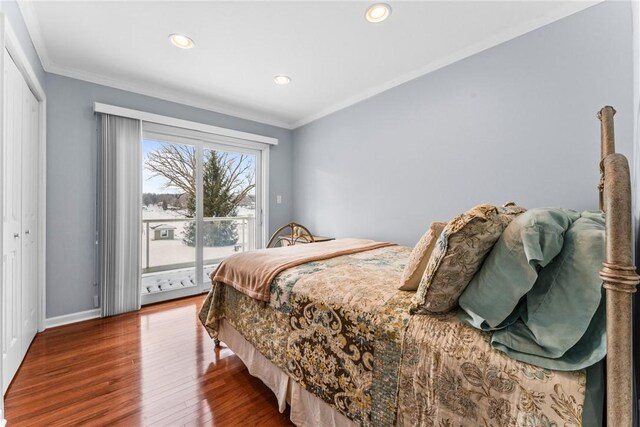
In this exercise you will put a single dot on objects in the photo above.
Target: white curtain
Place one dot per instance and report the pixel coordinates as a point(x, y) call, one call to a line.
point(119, 214)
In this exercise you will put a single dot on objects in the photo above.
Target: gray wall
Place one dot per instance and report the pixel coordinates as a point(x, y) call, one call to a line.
point(14, 16)
point(515, 122)
point(71, 179)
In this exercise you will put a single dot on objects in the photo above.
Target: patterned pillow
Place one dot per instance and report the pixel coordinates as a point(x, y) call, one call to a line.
point(458, 255)
point(420, 257)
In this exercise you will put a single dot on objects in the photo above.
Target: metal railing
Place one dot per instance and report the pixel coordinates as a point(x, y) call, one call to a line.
point(245, 227)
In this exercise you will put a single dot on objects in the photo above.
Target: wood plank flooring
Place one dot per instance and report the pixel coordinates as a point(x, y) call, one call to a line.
point(155, 367)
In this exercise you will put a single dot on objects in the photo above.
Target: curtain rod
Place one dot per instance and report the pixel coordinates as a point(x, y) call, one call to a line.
point(186, 124)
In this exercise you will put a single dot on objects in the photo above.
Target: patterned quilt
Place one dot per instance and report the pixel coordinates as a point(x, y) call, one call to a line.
point(342, 330)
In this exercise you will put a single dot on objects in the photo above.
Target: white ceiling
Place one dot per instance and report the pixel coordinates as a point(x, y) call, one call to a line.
point(333, 55)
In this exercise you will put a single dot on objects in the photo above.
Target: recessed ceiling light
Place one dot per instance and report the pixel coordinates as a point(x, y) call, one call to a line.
point(378, 12)
point(282, 79)
point(181, 41)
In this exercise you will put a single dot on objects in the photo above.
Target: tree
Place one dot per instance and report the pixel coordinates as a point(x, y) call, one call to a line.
point(148, 199)
point(227, 180)
point(177, 164)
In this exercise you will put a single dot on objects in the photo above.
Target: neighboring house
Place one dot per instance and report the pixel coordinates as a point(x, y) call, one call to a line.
point(249, 201)
point(163, 232)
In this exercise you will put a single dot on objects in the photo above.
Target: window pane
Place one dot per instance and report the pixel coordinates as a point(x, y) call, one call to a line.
point(229, 204)
point(168, 216)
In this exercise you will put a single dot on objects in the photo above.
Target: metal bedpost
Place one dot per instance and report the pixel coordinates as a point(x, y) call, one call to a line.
point(619, 275)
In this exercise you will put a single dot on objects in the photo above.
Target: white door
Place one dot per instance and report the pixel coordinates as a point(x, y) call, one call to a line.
point(29, 253)
point(12, 227)
point(20, 220)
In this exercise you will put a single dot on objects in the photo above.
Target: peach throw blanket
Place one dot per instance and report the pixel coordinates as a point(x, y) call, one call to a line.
point(252, 272)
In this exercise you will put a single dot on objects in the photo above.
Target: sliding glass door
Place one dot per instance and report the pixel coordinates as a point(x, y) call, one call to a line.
point(201, 203)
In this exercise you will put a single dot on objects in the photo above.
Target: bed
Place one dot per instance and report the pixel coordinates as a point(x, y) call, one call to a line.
point(335, 339)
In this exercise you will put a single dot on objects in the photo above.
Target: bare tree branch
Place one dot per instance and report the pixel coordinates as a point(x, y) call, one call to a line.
point(227, 182)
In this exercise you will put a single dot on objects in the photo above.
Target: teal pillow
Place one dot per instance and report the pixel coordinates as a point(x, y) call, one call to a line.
point(529, 243)
point(590, 349)
point(564, 299)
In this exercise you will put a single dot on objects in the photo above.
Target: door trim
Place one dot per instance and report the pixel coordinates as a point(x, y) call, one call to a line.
point(3, 38)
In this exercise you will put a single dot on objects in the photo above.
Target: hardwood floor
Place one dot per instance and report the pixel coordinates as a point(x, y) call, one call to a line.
point(156, 367)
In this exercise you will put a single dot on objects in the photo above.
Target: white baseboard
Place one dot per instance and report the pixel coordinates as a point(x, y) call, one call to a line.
point(72, 318)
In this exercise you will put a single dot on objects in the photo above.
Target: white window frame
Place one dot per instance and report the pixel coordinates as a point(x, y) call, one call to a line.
point(201, 142)
point(201, 139)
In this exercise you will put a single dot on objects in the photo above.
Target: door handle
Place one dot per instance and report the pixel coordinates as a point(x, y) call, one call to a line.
point(27, 232)
point(16, 235)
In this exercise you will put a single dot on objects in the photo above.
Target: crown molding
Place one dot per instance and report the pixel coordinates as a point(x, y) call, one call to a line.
point(13, 46)
point(484, 44)
point(33, 27)
point(161, 92)
point(166, 94)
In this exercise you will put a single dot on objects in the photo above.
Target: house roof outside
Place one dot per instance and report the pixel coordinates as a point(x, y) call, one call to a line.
point(163, 227)
point(248, 200)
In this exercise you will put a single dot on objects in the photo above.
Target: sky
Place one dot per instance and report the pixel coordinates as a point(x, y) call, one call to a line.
point(157, 184)
point(153, 184)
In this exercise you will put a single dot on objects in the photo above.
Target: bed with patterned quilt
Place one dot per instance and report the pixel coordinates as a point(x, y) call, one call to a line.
point(375, 336)
point(501, 316)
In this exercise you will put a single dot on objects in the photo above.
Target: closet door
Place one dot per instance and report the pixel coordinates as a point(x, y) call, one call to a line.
point(12, 219)
point(29, 252)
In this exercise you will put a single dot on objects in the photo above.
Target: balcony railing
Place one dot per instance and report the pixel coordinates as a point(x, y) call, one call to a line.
point(165, 249)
